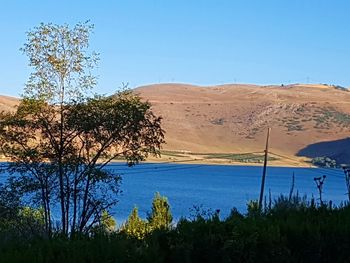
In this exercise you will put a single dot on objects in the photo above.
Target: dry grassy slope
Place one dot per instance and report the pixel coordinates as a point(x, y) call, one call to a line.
point(8, 103)
point(234, 118)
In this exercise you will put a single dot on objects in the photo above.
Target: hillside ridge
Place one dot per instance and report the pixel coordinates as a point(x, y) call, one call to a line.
point(235, 117)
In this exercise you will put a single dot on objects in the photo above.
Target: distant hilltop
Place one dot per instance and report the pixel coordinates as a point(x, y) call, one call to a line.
point(8, 103)
point(235, 117)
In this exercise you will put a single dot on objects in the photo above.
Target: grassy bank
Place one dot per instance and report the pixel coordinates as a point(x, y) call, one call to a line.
point(245, 159)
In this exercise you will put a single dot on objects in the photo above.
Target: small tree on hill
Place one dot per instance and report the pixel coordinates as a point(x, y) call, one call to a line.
point(60, 140)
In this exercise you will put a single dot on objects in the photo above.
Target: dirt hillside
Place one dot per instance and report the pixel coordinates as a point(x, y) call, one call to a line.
point(235, 118)
point(8, 103)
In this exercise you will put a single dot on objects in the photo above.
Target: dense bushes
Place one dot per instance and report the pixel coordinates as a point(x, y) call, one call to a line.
point(324, 162)
point(159, 219)
point(292, 230)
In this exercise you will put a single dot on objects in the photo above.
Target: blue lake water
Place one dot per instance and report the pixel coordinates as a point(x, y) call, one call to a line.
point(215, 186)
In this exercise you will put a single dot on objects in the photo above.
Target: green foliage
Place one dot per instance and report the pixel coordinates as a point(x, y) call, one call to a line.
point(160, 216)
point(59, 140)
point(30, 215)
point(106, 224)
point(219, 121)
point(243, 158)
point(294, 126)
point(340, 88)
point(61, 62)
point(292, 230)
point(10, 200)
point(31, 221)
point(27, 224)
point(253, 208)
point(326, 116)
point(107, 221)
point(172, 153)
point(135, 226)
point(324, 162)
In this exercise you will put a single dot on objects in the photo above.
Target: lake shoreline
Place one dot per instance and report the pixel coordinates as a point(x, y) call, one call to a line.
point(212, 162)
point(198, 160)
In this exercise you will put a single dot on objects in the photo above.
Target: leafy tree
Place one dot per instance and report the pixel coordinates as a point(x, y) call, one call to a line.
point(135, 226)
point(160, 217)
point(107, 221)
point(60, 140)
point(25, 224)
point(30, 222)
point(107, 224)
point(10, 200)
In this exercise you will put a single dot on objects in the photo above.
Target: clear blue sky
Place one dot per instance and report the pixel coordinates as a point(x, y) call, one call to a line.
point(191, 41)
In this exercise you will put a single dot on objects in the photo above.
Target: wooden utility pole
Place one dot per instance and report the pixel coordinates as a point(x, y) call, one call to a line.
point(264, 169)
point(347, 179)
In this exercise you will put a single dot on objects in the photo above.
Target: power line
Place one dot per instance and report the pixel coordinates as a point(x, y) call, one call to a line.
point(157, 169)
point(285, 157)
point(335, 170)
point(165, 170)
point(318, 172)
point(161, 168)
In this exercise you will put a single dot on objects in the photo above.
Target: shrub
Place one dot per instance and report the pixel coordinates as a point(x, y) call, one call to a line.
point(135, 226)
point(160, 217)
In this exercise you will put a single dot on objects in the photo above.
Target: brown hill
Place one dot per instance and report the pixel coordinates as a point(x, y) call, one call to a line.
point(235, 118)
point(8, 103)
